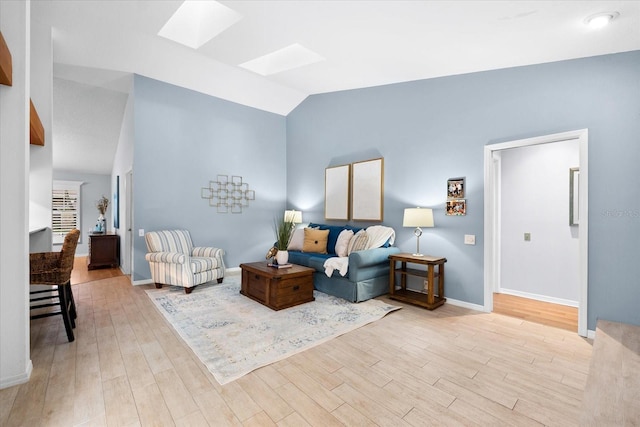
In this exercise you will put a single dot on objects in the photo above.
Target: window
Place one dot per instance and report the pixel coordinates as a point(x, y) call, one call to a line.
point(65, 206)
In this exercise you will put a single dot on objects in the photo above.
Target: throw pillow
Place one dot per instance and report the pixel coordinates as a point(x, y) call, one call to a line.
point(315, 241)
point(358, 242)
point(297, 240)
point(342, 244)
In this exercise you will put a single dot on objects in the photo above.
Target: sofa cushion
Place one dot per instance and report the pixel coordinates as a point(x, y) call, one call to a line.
point(297, 240)
point(315, 261)
point(343, 242)
point(358, 242)
point(334, 232)
point(315, 241)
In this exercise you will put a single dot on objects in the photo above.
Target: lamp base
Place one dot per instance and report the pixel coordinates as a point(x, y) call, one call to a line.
point(417, 254)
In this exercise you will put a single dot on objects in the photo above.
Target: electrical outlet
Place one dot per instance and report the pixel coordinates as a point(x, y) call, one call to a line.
point(527, 237)
point(141, 232)
point(469, 239)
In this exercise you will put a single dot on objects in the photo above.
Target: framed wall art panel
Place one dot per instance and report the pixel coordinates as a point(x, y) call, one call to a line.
point(336, 192)
point(367, 190)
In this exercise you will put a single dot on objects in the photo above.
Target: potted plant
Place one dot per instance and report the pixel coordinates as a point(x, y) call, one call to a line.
point(284, 231)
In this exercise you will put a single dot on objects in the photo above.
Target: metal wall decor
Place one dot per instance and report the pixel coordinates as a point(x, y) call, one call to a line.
point(228, 195)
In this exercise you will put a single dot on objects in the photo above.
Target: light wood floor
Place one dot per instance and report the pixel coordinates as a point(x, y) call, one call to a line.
point(81, 274)
point(450, 366)
point(560, 316)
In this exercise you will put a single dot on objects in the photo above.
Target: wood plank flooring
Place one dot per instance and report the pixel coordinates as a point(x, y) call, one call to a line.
point(80, 273)
point(612, 394)
point(451, 366)
point(560, 316)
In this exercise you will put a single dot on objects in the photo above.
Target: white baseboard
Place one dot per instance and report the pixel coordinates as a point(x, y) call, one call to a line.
point(591, 334)
point(142, 282)
point(537, 297)
point(233, 271)
point(465, 304)
point(17, 379)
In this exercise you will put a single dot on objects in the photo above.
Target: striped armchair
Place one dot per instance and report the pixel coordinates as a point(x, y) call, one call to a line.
point(175, 261)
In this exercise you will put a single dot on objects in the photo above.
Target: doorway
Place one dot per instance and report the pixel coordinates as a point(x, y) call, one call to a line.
point(492, 226)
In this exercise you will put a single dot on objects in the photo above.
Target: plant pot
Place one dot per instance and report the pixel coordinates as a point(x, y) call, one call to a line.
point(282, 257)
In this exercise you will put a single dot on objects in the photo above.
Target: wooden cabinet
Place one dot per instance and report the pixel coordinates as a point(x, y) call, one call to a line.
point(104, 251)
point(430, 299)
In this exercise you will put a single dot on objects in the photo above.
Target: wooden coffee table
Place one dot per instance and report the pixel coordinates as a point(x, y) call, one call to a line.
point(277, 288)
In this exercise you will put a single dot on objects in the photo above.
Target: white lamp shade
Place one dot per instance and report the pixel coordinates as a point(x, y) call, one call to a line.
point(293, 216)
point(417, 217)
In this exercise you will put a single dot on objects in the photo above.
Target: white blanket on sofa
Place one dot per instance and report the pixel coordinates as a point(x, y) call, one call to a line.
point(378, 236)
point(336, 263)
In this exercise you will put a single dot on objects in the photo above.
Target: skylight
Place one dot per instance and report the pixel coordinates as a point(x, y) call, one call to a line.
point(198, 21)
point(285, 59)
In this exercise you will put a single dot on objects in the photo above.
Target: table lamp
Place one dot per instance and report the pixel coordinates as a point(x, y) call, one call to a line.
point(418, 217)
point(293, 216)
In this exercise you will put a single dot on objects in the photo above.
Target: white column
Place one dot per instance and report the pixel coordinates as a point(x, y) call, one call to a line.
point(15, 358)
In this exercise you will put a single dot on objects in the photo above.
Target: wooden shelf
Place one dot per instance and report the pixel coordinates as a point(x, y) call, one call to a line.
point(6, 67)
point(36, 130)
point(417, 298)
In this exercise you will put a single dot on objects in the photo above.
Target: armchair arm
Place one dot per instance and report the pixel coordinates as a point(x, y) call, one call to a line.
point(44, 261)
point(370, 257)
point(166, 257)
point(207, 252)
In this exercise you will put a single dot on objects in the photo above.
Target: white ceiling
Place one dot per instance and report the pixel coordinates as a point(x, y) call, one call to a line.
point(365, 43)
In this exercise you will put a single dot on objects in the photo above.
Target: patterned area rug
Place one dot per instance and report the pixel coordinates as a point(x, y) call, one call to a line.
point(233, 335)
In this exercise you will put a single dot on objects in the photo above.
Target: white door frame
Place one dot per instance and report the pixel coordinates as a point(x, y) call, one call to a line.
point(128, 249)
point(491, 230)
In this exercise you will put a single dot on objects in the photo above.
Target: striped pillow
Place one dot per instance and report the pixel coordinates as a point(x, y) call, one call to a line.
point(358, 242)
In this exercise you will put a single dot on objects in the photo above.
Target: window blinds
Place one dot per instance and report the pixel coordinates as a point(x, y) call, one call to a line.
point(65, 206)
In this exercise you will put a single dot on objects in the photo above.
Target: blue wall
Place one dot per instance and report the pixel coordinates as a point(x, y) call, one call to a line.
point(431, 130)
point(184, 139)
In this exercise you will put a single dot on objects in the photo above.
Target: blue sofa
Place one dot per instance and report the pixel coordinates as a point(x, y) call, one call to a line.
point(367, 276)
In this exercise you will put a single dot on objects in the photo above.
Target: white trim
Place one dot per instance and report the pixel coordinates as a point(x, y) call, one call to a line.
point(17, 379)
point(464, 304)
point(142, 282)
point(490, 229)
point(232, 271)
point(537, 297)
point(591, 334)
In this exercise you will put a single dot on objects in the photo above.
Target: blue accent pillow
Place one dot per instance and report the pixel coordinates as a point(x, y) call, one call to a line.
point(352, 228)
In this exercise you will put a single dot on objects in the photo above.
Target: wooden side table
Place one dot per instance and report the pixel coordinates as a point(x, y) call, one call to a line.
point(429, 300)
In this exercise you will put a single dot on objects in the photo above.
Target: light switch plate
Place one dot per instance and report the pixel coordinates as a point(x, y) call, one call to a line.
point(469, 239)
point(527, 237)
point(141, 232)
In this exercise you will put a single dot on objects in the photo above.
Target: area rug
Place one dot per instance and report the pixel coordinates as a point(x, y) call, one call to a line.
point(233, 335)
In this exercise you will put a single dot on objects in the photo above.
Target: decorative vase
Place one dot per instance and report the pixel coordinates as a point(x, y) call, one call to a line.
point(100, 225)
point(282, 257)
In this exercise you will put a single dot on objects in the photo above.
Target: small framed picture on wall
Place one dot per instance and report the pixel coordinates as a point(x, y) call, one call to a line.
point(456, 207)
point(455, 188)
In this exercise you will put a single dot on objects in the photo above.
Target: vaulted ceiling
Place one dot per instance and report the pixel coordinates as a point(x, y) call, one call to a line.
point(363, 43)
